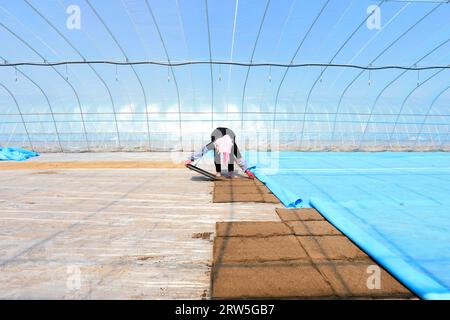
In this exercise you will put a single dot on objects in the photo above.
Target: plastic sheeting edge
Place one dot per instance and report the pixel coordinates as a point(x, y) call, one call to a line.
point(16, 154)
point(289, 199)
point(422, 285)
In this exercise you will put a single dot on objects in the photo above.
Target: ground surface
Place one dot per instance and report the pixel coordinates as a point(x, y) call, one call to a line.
point(302, 256)
point(395, 205)
point(134, 233)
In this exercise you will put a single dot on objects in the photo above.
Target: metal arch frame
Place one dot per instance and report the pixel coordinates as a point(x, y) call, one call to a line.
point(341, 16)
point(183, 33)
point(445, 139)
point(376, 58)
point(251, 60)
point(41, 41)
point(20, 113)
point(283, 28)
point(171, 69)
point(293, 58)
point(240, 64)
point(138, 35)
point(136, 29)
point(222, 112)
point(48, 103)
point(233, 38)
point(389, 84)
point(380, 3)
point(275, 48)
point(131, 66)
point(369, 41)
point(420, 1)
point(135, 26)
point(428, 113)
point(406, 99)
point(210, 66)
point(84, 59)
point(56, 70)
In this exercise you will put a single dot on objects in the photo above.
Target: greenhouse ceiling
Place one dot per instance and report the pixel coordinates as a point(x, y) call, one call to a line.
point(85, 75)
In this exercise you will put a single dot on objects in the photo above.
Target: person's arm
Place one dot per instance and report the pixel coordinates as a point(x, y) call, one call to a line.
point(242, 163)
point(199, 153)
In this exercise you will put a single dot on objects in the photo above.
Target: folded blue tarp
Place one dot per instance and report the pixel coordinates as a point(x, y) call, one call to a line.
point(395, 206)
point(16, 154)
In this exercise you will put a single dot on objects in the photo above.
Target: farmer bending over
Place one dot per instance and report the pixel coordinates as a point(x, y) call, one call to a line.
point(226, 151)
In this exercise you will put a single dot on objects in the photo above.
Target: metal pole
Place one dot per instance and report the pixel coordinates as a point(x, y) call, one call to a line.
point(20, 113)
point(251, 60)
point(171, 70)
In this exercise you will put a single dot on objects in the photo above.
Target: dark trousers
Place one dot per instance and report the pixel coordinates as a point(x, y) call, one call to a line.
point(219, 167)
point(235, 153)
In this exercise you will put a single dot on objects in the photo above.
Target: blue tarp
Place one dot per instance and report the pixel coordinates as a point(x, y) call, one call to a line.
point(16, 154)
point(395, 206)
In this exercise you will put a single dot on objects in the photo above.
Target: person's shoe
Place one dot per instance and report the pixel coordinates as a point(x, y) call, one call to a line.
point(230, 175)
point(218, 174)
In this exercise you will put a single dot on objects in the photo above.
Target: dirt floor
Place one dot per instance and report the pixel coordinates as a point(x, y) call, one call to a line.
point(140, 226)
point(301, 256)
point(92, 160)
point(102, 233)
point(88, 165)
point(242, 189)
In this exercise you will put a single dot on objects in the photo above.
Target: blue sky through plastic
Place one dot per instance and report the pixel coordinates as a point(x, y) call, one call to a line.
point(91, 100)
